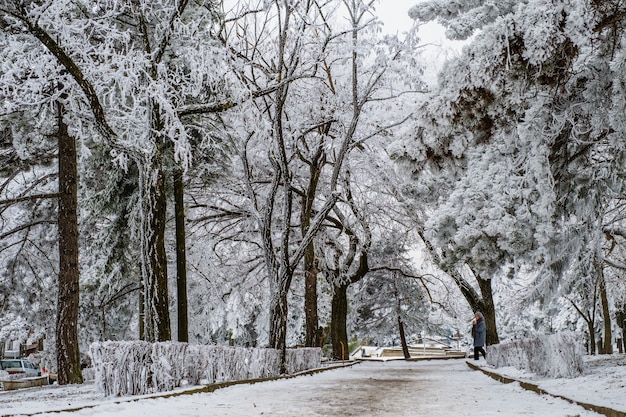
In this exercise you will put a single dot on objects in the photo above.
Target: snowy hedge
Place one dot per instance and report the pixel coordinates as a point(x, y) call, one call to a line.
point(557, 356)
point(133, 368)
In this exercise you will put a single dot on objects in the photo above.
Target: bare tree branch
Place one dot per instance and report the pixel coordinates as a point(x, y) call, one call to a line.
point(26, 226)
point(33, 197)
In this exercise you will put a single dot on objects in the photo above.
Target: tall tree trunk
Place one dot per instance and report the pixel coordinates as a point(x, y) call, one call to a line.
point(339, 303)
point(157, 315)
point(68, 353)
point(405, 347)
point(310, 299)
point(339, 314)
point(278, 327)
point(590, 319)
point(621, 322)
point(488, 309)
point(607, 347)
point(316, 164)
point(181, 257)
point(482, 302)
point(592, 337)
point(278, 322)
point(157, 318)
point(142, 315)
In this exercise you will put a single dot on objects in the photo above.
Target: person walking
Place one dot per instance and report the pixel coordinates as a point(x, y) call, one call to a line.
point(479, 333)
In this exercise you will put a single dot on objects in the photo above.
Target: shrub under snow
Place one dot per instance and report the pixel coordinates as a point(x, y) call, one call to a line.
point(121, 367)
point(137, 367)
point(557, 356)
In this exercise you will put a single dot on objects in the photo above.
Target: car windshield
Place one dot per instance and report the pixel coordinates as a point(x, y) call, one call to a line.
point(11, 364)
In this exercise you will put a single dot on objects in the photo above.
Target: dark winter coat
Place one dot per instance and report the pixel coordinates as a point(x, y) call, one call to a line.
point(479, 331)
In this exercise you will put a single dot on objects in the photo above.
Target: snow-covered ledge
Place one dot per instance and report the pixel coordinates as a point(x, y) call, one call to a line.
point(558, 355)
point(137, 367)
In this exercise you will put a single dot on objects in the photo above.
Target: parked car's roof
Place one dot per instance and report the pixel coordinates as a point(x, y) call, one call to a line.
point(19, 366)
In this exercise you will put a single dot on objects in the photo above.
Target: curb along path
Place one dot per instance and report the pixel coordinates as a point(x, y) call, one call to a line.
point(609, 412)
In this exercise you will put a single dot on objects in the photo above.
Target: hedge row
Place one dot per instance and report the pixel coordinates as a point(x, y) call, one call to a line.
point(558, 355)
point(137, 367)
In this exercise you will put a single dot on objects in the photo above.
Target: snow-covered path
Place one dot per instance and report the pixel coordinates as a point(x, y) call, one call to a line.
point(430, 388)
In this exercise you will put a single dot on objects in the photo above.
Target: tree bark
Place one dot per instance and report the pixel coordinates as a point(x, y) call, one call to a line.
point(592, 337)
point(157, 319)
point(278, 327)
point(620, 316)
point(181, 257)
point(339, 313)
point(68, 353)
point(278, 322)
point(339, 303)
point(157, 315)
point(310, 299)
point(488, 309)
point(607, 347)
point(142, 315)
point(405, 346)
point(482, 302)
point(316, 164)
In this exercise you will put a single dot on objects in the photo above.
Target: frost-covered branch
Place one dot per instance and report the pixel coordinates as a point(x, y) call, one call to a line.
point(615, 230)
point(381, 131)
point(610, 20)
point(24, 194)
point(33, 197)
point(73, 69)
point(615, 264)
point(26, 226)
point(217, 107)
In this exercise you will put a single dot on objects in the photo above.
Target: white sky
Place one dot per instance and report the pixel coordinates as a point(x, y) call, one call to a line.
point(394, 14)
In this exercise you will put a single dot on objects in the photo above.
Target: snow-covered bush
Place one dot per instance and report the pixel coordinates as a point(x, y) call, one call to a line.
point(266, 363)
point(166, 368)
point(133, 368)
point(122, 368)
point(302, 359)
point(558, 355)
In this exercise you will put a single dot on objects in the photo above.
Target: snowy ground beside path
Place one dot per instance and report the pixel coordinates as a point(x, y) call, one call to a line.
point(603, 383)
point(398, 388)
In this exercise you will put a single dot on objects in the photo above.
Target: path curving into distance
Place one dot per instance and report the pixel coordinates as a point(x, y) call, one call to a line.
point(438, 388)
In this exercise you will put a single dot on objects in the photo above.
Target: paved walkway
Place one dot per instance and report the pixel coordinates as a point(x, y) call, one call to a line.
point(427, 388)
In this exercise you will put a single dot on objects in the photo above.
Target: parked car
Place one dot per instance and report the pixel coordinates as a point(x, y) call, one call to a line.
point(19, 366)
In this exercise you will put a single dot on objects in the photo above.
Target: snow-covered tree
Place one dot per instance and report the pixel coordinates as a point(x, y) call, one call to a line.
point(294, 158)
point(37, 91)
point(127, 73)
point(524, 126)
point(391, 301)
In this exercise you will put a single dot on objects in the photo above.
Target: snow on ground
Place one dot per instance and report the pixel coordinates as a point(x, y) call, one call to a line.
point(436, 388)
point(602, 384)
